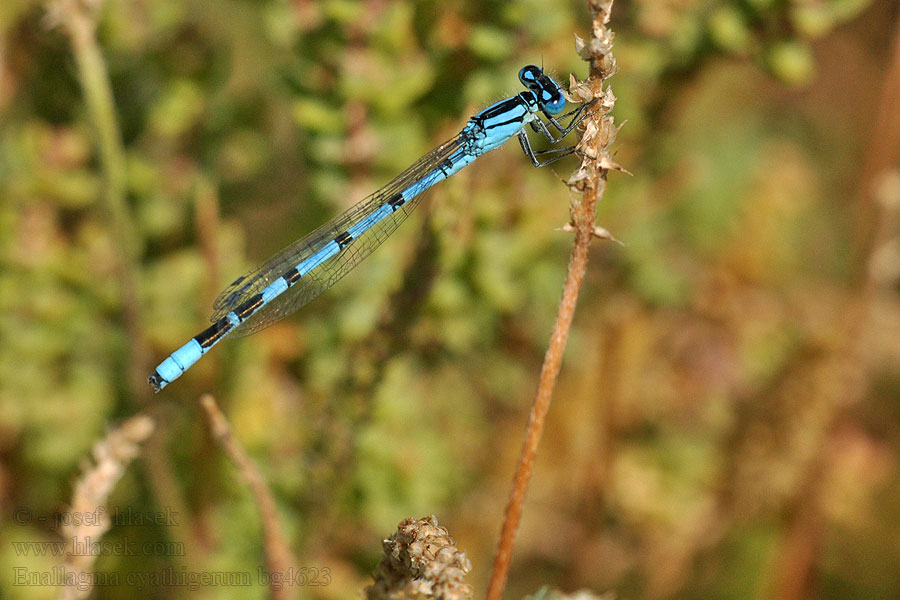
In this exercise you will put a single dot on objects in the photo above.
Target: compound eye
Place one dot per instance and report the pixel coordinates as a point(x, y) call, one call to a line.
point(529, 75)
point(554, 102)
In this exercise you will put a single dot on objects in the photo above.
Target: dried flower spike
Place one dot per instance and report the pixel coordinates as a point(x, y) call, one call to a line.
point(421, 561)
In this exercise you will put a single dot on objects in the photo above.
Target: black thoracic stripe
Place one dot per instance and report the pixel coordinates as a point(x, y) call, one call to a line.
point(498, 111)
point(292, 276)
point(396, 201)
point(247, 308)
point(501, 108)
point(212, 334)
point(343, 240)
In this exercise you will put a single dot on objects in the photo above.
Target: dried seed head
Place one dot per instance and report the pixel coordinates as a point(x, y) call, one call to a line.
point(421, 561)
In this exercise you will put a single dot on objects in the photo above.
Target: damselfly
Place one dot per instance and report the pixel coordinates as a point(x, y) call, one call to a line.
point(309, 266)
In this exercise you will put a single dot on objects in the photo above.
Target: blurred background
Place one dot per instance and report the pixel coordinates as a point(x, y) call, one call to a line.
point(728, 416)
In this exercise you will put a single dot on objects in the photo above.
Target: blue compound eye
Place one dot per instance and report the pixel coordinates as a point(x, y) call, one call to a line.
point(529, 75)
point(553, 102)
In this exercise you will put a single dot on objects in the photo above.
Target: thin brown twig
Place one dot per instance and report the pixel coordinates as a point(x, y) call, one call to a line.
point(78, 20)
point(795, 575)
point(882, 155)
point(590, 180)
point(206, 213)
point(278, 553)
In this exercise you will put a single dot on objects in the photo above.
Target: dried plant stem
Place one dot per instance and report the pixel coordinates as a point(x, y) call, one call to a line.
point(590, 180)
point(91, 495)
point(882, 155)
point(278, 554)
point(206, 213)
point(842, 368)
point(534, 429)
point(78, 20)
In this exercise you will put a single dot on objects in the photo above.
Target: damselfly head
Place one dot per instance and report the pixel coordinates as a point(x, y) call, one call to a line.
point(548, 92)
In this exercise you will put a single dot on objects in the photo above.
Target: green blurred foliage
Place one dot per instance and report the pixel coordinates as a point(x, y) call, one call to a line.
point(697, 390)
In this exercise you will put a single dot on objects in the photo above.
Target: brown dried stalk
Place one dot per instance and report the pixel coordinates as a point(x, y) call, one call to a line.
point(278, 553)
point(590, 181)
point(796, 571)
point(78, 18)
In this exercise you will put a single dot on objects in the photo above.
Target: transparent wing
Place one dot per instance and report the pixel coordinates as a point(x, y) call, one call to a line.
point(326, 274)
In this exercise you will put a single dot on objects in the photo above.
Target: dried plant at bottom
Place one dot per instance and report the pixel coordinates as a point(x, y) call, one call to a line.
point(111, 456)
point(421, 560)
